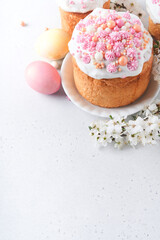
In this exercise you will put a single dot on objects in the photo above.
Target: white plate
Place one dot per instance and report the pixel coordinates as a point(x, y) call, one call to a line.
point(71, 91)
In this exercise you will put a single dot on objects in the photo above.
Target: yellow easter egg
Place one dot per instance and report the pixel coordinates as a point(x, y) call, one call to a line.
point(53, 44)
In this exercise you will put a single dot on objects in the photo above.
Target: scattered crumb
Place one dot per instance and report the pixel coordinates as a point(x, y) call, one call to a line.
point(23, 24)
point(46, 29)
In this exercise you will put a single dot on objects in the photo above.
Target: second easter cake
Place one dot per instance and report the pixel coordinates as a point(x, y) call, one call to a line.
point(73, 11)
point(153, 8)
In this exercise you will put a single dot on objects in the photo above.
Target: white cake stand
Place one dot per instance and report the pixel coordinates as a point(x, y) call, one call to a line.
point(71, 91)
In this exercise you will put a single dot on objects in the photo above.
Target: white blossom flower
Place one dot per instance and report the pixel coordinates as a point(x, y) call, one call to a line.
point(145, 129)
point(119, 143)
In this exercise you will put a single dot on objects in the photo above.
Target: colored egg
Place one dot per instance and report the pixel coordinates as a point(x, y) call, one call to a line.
point(53, 44)
point(43, 77)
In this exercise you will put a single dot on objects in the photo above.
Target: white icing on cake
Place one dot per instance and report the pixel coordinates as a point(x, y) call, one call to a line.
point(153, 8)
point(80, 6)
point(101, 50)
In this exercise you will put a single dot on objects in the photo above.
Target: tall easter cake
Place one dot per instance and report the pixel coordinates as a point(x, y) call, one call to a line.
point(72, 11)
point(112, 58)
point(153, 8)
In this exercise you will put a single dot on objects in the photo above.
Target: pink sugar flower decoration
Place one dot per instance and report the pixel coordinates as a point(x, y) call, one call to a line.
point(120, 23)
point(133, 31)
point(155, 1)
point(132, 65)
point(139, 35)
point(111, 68)
point(136, 21)
point(117, 54)
point(72, 2)
point(101, 46)
point(85, 46)
point(118, 46)
point(102, 34)
point(86, 59)
point(89, 22)
point(137, 42)
point(127, 15)
point(124, 34)
point(101, 21)
point(131, 52)
point(110, 41)
point(93, 44)
point(84, 6)
point(115, 36)
point(112, 16)
point(80, 39)
point(116, 28)
point(110, 56)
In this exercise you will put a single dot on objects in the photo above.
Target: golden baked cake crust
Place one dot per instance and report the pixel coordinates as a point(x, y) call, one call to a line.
point(112, 93)
point(69, 20)
point(154, 29)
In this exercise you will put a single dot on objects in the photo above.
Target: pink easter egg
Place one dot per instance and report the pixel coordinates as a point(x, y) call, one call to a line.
point(43, 77)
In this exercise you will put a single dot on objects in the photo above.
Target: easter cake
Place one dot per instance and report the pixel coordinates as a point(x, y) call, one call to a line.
point(153, 8)
point(112, 57)
point(73, 11)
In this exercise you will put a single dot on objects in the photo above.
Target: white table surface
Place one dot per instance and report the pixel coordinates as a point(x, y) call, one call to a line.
point(55, 183)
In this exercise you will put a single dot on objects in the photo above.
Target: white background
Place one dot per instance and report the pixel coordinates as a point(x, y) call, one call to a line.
point(54, 182)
